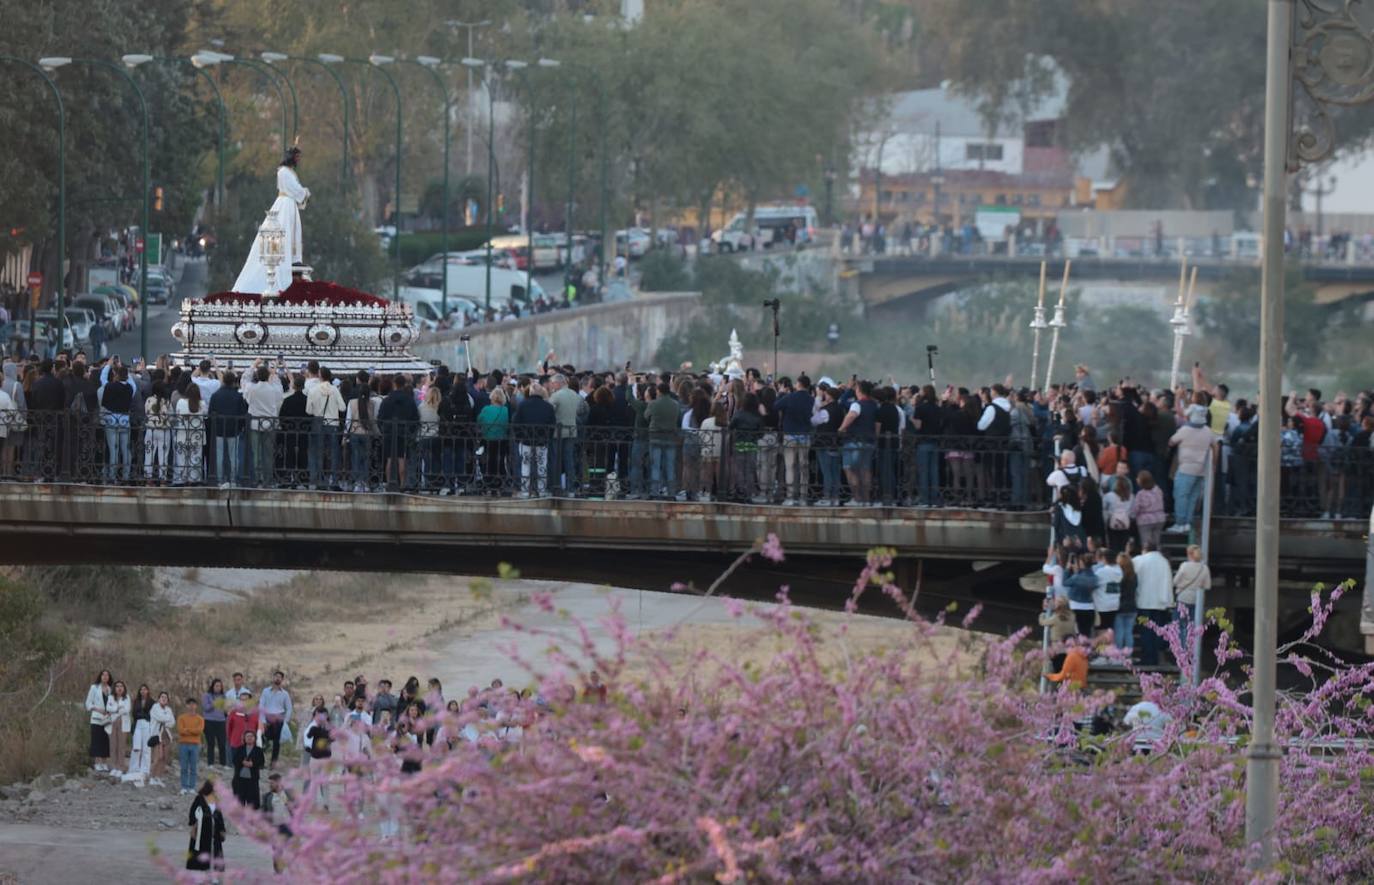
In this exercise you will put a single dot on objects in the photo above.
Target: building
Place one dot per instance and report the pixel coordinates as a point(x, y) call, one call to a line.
point(934, 157)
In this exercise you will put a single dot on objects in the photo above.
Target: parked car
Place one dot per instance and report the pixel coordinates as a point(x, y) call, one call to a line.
point(634, 242)
point(79, 321)
point(549, 251)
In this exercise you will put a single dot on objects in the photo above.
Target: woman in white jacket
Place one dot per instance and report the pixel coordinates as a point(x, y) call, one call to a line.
point(162, 722)
point(117, 708)
point(96, 699)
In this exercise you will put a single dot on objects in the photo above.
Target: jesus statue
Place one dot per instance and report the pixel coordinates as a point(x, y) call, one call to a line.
point(291, 199)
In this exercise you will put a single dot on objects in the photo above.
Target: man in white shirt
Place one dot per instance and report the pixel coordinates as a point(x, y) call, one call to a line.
point(1154, 599)
point(204, 378)
point(238, 689)
point(324, 405)
point(262, 390)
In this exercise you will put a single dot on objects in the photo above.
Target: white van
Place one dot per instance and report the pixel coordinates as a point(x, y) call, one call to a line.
point(770, 226)
point(469, 283)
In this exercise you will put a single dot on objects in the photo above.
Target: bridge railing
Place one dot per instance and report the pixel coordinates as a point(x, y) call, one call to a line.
point(496, 454)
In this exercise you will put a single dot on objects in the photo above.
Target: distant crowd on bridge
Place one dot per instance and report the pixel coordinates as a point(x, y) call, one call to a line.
point(1118, 458)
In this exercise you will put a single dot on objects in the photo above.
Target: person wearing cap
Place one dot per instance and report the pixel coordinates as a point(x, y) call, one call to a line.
point(1195, 442)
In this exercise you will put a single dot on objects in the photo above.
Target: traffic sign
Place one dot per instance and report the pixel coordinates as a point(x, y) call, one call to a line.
point(35, 278)
point(138, 245)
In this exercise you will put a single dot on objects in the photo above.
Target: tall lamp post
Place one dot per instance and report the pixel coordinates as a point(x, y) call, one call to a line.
point(214, 56)
point(378, 63)
point(55, 62)
point(268, 61)
point(198, 63)
point(572, 165)
point(470, 125)
point(478, 64)
point(326, 60)
point(519, 68)
point(61, 196)
point(431, 64)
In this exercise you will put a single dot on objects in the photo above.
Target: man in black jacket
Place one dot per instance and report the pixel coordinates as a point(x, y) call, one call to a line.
point(534, 421)
point(399, 418)
point(46, 420)
point(294, 435)
point(228, 411)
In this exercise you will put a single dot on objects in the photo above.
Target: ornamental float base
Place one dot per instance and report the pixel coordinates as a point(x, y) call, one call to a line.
point(342, 328)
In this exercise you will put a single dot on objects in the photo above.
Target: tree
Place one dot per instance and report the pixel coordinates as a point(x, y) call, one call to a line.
point(1173, 88)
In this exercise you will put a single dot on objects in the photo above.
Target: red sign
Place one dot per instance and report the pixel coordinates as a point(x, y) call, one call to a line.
point(138, 245)
point(35, 278)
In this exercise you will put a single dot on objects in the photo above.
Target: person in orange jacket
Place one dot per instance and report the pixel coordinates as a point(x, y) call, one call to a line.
point(1075, 668)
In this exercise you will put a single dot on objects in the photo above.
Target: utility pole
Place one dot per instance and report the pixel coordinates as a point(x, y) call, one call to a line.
point(468, 124)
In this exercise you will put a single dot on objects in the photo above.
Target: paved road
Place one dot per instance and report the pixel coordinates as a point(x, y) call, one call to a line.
point(35, 854)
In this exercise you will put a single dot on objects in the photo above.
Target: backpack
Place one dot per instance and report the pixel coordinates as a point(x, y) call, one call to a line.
point(1120, 517)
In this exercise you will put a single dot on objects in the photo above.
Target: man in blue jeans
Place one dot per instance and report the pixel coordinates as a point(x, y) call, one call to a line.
point(664, 418)
point(1197, 446)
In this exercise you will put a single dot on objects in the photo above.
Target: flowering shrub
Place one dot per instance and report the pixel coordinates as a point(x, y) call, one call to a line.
point(305, 292)
point(899, 764)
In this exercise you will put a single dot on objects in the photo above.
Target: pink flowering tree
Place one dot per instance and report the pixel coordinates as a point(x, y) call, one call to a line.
point(899, 764)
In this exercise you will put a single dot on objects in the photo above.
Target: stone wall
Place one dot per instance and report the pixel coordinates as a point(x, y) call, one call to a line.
point(600, 336)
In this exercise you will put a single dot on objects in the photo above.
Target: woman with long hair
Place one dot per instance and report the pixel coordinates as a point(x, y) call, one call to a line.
point(157, 435)
point(431, 470)
point(140, 756)
point(361, 427)
point(214, 707)
point(162, 721)
point(118, 708)
point(206, 851)
point(97, 705)
point(1147, 509)
point(694, 443)
point(190, 437)
point(1123, 627)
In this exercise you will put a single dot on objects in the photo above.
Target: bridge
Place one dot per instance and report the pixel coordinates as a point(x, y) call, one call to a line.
point(883, 279)
point(961, 556)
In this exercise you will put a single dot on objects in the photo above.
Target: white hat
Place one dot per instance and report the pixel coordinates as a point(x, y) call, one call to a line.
point(827, 381)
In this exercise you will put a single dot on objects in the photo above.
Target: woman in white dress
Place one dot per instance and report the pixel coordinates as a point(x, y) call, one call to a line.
point(190, 437)
point(291, 199)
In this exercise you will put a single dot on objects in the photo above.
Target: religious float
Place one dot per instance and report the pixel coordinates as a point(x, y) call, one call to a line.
point(278, 314)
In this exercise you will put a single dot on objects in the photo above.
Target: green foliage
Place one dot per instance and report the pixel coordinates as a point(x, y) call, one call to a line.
point(1231, 316)
point(32, 642)
point(732, 298)
point(663, 271)
point(416, 247)
point(1180, 109)
point(95, 595)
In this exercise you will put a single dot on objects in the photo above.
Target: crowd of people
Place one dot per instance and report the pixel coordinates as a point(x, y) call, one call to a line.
point(240, 735)
point(684, 435)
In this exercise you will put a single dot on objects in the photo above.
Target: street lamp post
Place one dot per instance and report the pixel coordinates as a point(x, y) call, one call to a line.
point(325, 60)
point(471, 26)
point(1059, 322)
point(54, 62)
point(602, 110)
point(267, 70)
point(471, 63)
point(198, 63)
point(378, 63)
point(268, 59)
point(61, 197)
point(431, 64)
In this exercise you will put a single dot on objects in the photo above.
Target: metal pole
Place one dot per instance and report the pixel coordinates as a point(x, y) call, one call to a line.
point(396, 91)
point(529, 191)
point(143, 233)
point(469, 127)
point(443, 236)
point(1038, 323)
point(572, 172)
point(491, 167)
point(343, 94)
point(263, 67)
point(1262, 764)
point(280, 94)
point(1200, 606)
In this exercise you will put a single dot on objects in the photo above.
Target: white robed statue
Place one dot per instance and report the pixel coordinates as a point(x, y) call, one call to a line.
point(291, 199)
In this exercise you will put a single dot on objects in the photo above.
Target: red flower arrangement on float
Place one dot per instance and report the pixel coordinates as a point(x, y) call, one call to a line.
point(305, 292)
